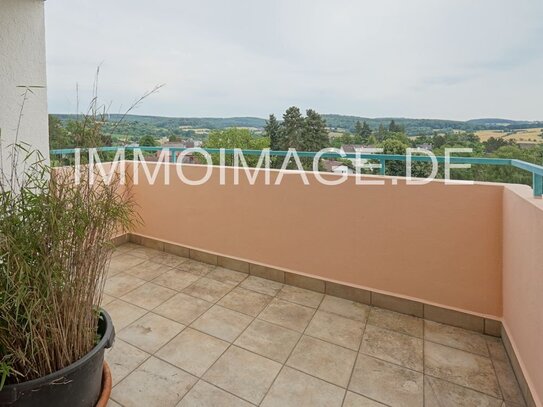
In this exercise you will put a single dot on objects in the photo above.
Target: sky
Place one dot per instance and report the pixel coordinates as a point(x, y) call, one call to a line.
point(447, 59)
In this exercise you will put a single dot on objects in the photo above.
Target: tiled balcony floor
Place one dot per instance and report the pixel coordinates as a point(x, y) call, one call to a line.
point(191, 334)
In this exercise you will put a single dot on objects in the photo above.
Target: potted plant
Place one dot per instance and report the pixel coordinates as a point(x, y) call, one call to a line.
point(55, 245)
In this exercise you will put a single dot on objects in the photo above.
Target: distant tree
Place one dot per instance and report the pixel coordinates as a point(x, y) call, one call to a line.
point(236, 138)
point(372, 140)
point(347, 138)
point(314, 134)
point(147, 141)
point(174, 138)
point(365, 133)
point(394, 146)
point(273, 131)
point(493, 143)
point(58, 135)
point(358, 128)
point(395, 128)
point(381, 132)
point(292, 129)
point(88, 131)
point(438, 141)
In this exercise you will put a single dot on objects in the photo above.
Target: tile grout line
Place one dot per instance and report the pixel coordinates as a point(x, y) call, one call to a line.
point(356, 358)
point(230, 344)
point(290, 353)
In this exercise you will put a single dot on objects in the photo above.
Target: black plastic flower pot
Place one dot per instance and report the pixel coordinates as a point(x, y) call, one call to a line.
point(77, 385)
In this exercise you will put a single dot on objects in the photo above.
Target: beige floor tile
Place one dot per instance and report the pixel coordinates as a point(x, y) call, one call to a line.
point(227, 276)
point(496, 349)
point(245, 301)
point(336, 329)
point(269, 340)
point(123, 358)
point(243, 373)
point(405, 324)
point(150, 332)
point(222, 323)
point(106, 299)
point(122, 284)
point(394, 347)
point(287, 314)
point(208, 289)
point(323, 360)
point(122, 262)
point(300, 296)
point(460, 367)
point(387, 383)
point(439, 393)
point(183, 308)
point(176, 279)
point(193, 351)
point(148, 296)
point(154, 384)
point(195, 267)
point(206, 395)
point(508, 382)
point(169, 259)
point(112, 403)
point(123, 314)
point(345, 308)
point(455, 337)
point(294, 389)
point(144, 252)
point(148, 270)
point(261, 285)
point(356, 400)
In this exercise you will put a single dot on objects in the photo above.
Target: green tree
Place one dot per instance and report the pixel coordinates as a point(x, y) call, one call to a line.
point(394, 146)
point(314, 134)
point(292, 129)
point(395, 128)
point(147, 141)
point(366, 132)
point(58, 135)
point(362, 131)
point(381, 132)
point(358, 128)
point(273, 131)
point(493, 143)
point(236, 138)
point(372, 140)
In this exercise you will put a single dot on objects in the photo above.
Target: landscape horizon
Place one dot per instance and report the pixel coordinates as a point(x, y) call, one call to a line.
point(413, 126)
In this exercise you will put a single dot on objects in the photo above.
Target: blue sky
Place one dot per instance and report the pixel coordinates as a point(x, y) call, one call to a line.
point(451, 59)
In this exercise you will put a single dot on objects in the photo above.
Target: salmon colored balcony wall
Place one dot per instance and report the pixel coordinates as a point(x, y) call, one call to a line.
point(434, 243)
point(523, 281)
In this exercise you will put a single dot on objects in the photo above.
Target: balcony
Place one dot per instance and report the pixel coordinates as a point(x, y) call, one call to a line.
point(293, 294)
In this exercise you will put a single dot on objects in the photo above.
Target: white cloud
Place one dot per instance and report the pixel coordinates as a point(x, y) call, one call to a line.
point(453, 59)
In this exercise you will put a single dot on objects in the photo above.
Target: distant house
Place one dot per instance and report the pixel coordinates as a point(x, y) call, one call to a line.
point(337, 167)
point(356, 148)
point(351, 148)
point(425, 146)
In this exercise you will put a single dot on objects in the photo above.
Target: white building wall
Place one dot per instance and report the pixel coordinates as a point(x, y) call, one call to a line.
point(22, 64)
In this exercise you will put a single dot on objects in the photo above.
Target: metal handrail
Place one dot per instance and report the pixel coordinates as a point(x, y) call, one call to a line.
point(534, 169)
